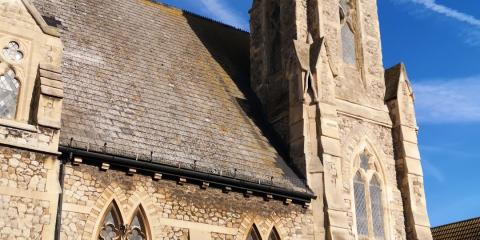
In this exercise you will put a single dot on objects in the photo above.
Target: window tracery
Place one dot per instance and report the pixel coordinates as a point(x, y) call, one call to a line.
point(12, 52)
point(9, 89)
point(113, 227)
point(368, 195)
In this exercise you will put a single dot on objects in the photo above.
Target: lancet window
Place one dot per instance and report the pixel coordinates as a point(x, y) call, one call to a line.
point(368, 195)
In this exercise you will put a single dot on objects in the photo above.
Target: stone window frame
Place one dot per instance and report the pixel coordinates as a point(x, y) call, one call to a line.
point(25, 88)
point(375, 169)
point(256, 231)
point(125, 220)
point(358, 37)
point(275, 233)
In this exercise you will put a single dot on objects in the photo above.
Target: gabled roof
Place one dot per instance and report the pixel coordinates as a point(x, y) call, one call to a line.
point(147, 81)
point(464, 230)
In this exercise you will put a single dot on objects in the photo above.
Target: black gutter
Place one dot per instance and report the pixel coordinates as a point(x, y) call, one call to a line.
point(303, 197)
point(61, 179)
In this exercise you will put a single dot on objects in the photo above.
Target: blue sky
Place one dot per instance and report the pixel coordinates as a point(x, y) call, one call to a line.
point(439, 40)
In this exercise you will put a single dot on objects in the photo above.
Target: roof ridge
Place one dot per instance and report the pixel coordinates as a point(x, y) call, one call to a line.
point(459, 222)
point(198, 16)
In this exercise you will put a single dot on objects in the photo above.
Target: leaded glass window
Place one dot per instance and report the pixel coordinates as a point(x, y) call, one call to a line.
point(254, 234)
point(274, 235)
point(347, 13)
point(137, 229)
point(111, 225)
point(9, 88)
point(368, 197)
point(377, 210)
point(360, 205)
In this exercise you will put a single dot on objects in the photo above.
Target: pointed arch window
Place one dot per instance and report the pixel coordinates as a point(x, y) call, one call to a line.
point(113, 227)
point(348, 31)
point(111, 224)
point(368, 196)
point(254, 234)
point(274, 235)
point(137, 229)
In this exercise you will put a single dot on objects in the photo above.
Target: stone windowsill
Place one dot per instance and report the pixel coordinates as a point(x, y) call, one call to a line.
point(17, 125)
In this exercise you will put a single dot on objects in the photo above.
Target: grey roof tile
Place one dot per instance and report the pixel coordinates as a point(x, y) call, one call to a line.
point(143, 77)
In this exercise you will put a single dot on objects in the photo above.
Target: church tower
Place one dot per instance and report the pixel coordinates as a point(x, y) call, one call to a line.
point(349, 125)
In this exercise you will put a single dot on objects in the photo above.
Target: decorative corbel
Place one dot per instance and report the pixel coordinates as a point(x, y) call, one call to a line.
point(50, 96)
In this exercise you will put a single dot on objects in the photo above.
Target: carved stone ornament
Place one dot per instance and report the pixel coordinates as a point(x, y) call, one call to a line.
point(308, 54)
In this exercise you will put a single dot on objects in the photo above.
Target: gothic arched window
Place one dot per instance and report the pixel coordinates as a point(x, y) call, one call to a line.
point(348, 31)
point(113, 227)
point(254, 234)
point(137, 229)
point(274, 235)
point(367, 191)
point(111, 224)
point(9, 89)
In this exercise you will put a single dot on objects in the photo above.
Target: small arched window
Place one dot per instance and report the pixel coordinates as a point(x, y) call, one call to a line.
point(274, 235)
point(368, 197)
point(348, 31)
point(137, 229)
point(254, 234)
point(113, 226)
point(9, 88)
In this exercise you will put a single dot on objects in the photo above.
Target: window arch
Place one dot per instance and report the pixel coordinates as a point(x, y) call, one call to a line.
point(274, 235)
point(349, 31)
point(253, 234)
point(113, 227)
point(368, 198)
point(111, 223)
point(9, 89)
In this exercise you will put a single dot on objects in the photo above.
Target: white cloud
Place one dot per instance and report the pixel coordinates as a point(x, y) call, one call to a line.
point(449, 12)
point(224, 13)
point(448, 101)
point(433, 171)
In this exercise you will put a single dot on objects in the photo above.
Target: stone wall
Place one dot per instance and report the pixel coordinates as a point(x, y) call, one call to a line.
point(173, 211)
point(28, 194)
point(356, 134)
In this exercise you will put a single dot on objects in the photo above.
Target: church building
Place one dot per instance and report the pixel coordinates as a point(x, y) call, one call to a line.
point(134, 120)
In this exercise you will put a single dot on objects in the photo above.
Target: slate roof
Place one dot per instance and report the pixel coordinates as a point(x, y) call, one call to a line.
point(142, 77)
point(464, 230)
